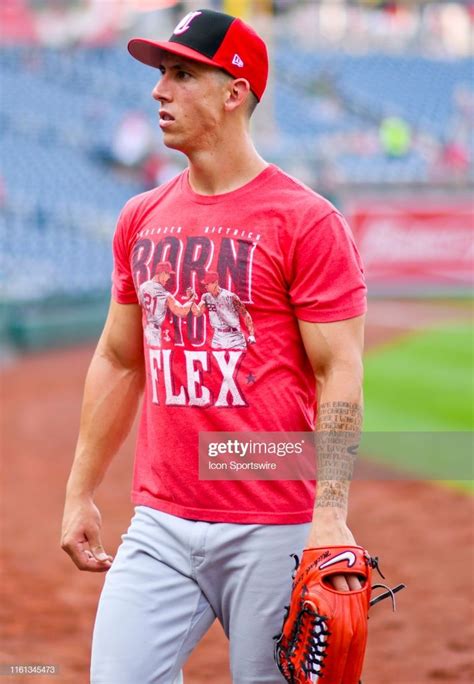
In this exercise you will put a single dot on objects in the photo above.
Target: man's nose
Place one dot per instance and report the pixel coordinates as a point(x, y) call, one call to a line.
point(161, 91)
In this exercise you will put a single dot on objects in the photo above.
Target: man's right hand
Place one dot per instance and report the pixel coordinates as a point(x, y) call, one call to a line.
point(80, 536)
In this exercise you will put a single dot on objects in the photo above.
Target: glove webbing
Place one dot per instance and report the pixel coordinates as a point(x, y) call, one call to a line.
point(310, 628)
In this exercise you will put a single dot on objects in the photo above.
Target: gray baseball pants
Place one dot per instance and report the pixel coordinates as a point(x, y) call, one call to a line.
point(172, 577)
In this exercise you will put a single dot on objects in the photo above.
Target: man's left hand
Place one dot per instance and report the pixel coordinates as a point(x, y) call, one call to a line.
point(329, 528)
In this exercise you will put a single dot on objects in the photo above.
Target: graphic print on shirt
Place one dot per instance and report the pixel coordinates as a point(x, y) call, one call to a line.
point(169, 274)
point(224, 309)
point(156, 301)
point(194, 293)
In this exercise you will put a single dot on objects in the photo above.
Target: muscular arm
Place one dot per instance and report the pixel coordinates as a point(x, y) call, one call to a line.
point(335, 351)
point(180, 310)
point(112, 391)
point(240, 308)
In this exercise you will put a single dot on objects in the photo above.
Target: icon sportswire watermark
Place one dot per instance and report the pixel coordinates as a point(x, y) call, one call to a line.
point(371, 455)
point(256, 456)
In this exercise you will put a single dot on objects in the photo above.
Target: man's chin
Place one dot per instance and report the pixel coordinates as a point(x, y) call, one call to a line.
point(173, 142)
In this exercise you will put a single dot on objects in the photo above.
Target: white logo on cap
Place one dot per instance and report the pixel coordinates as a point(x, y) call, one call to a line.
point(237, 60)
point(185, 23)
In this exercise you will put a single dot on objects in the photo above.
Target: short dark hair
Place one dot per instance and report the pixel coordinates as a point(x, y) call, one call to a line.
point(252, 99)
point(252, 103)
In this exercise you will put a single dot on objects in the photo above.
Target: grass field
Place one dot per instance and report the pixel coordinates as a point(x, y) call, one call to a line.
point(419, 404)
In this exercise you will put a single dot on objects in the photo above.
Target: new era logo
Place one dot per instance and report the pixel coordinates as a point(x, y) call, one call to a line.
point(236, 60)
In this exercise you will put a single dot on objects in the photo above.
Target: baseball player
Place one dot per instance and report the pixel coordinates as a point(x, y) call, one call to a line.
point(156, 300)
point(225, 309)
point(198, 550)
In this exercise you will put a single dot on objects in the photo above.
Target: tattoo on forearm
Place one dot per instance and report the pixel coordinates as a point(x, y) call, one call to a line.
point(339, 415)
point(337, 441)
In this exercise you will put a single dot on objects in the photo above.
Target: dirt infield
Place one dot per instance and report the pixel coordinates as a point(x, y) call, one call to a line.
point(422, 533)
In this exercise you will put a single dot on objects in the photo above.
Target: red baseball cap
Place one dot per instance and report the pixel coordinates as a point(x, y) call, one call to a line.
point(210, 277)
point(164, 267)
point(212, 38)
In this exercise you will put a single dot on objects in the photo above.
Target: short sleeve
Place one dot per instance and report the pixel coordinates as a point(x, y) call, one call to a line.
point(123, 287)
point(327, 278)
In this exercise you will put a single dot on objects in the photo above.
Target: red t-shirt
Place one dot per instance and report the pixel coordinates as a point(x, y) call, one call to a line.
point(258, 259)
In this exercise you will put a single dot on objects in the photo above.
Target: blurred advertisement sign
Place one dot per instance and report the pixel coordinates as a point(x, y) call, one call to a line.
point(411, 245)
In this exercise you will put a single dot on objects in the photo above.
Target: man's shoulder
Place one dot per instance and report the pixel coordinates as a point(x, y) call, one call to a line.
point(149, 287)
point(297, 194)
point(227, 294)
point(160, 289)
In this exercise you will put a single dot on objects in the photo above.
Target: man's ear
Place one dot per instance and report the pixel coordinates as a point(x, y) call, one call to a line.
point(238, 93)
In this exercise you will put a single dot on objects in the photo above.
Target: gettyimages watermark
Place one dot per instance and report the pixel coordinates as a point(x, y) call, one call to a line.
point(338, 455)
point(256, 456)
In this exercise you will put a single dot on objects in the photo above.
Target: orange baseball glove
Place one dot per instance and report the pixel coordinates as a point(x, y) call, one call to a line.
point(324, 633)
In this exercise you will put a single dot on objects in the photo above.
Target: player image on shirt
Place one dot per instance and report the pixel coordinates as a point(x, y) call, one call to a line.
point(156, 300)
point(224, 309)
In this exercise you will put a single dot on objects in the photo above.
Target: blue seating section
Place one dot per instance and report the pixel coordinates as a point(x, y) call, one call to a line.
point(59, 110)
point(419, 89)
point(346, 94)
point(58, 114)
point(44, 257)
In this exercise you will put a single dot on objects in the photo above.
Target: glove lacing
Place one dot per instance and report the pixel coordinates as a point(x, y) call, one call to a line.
point(310, 628)
point(315, 634)
point(374, 563)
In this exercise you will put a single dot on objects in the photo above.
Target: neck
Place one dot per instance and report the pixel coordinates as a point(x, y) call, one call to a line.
point(226, 167)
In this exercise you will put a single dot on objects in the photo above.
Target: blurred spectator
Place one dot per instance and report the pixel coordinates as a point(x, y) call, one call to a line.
point(17, 22)
point(281, 6)
point(158, 169)
point(455, 157)
point(395, 137)
point(389, 7)
point(463, 115)
point(133, 140)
